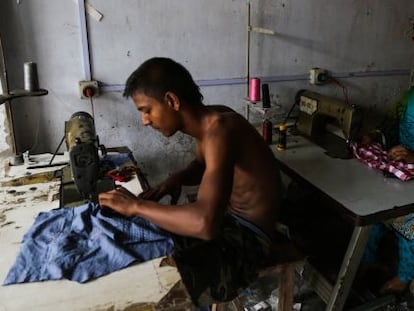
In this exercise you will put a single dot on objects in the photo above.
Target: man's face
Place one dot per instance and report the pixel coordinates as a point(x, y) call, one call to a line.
point(160, 116)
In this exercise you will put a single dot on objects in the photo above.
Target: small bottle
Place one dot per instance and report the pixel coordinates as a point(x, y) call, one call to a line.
point(267, 131)
point(281, 143)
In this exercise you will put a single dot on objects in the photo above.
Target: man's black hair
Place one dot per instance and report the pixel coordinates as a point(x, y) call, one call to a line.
point(158, 75)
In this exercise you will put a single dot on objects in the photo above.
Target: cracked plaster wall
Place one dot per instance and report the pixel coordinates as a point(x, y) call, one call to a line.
point(209, 38)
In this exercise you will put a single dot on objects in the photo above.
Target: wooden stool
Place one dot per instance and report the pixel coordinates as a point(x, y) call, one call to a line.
point(283, 258)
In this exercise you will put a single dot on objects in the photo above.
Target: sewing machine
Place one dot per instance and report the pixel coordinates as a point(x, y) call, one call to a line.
point(82, 144)
point(327, 121)
point(83, 179)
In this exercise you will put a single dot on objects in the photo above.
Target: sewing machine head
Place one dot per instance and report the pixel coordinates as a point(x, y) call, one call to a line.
point(82, 144)
point(321, 117)
point(317, 111)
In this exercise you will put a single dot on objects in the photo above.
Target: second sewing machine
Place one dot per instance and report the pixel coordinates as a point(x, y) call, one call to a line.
point(328, 122)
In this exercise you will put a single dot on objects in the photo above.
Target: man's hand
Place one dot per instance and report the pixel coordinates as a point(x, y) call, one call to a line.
point(370, 138)
point(367, 139)
point(171, 186)
point(400, 153)
point(119, 200)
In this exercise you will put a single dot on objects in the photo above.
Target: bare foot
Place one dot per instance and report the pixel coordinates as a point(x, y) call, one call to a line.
point(168, 261)
point(394, 285)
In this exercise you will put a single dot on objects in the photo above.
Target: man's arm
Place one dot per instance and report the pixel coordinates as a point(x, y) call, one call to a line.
point(190, 176)
point(201, 219)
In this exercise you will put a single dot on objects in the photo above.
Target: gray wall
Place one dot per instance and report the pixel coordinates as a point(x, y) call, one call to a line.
point(370, 40)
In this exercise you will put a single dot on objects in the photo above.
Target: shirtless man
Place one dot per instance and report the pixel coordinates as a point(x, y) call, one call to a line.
point(236, 171)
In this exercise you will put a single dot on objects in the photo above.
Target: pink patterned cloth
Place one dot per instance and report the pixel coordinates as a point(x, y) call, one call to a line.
point(376, 157)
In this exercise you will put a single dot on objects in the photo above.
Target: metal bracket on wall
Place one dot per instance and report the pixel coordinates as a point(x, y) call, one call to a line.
point(7, 95)
point(21, 93)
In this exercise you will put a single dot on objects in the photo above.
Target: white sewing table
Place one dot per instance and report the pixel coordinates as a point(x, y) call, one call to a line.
point(138, 287)
point(361, 195)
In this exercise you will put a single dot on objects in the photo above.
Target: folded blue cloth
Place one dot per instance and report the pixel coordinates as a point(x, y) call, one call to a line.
point(84, 243)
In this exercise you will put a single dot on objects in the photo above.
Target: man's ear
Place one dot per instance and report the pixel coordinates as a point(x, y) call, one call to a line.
point(172, 100)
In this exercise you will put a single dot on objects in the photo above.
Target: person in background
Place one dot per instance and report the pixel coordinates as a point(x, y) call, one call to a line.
point(396, 134)
point(222, 238)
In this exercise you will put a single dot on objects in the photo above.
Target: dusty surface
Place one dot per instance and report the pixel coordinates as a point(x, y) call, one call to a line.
point(138, 287)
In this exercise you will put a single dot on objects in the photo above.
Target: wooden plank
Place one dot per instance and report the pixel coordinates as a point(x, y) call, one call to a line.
point(140, 285)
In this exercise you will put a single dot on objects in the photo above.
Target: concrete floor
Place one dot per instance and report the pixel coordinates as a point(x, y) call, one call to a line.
point(264, 292)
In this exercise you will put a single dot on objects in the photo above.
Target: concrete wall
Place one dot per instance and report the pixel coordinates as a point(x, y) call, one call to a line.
point(366, 44)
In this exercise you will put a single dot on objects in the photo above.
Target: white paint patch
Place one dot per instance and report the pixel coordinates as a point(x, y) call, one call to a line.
point(5, 134)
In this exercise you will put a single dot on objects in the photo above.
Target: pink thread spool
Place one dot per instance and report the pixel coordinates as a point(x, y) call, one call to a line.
point(254, 90)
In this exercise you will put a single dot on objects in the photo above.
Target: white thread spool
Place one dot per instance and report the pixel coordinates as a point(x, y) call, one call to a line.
point(31, 82)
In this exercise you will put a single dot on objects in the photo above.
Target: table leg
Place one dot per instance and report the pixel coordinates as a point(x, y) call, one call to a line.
point(349, 267)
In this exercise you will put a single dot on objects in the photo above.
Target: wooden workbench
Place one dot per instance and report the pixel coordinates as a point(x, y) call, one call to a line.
point(145, 286)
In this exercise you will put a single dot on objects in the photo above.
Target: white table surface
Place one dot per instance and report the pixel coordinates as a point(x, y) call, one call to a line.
point(361, 190)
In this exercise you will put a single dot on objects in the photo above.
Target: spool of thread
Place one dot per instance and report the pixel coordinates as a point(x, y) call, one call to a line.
point(31, 82)
point(265, 96)
point(254, 90)
point(267, 127)
point(281, 143)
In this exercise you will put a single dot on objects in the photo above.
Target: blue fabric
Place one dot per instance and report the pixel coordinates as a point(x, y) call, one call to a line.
point(84, 243)
point(371, 250)
point(407, 123)
point(116, 160)
point(405, 271)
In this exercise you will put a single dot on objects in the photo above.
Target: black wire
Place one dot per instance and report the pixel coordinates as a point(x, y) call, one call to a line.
point(297, 98)
point(57, 149)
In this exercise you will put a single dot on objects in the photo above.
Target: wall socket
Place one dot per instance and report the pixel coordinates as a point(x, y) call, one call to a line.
point(318, 76)
point(88, 89)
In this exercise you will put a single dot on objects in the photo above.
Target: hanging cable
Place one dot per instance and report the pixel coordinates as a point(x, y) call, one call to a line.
point(92, 108)
point(344, 89)
point(57, 149)
point(296, 102)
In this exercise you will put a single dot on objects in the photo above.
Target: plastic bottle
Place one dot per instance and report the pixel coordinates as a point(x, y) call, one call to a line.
point(281, 143)
point(267, 131)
